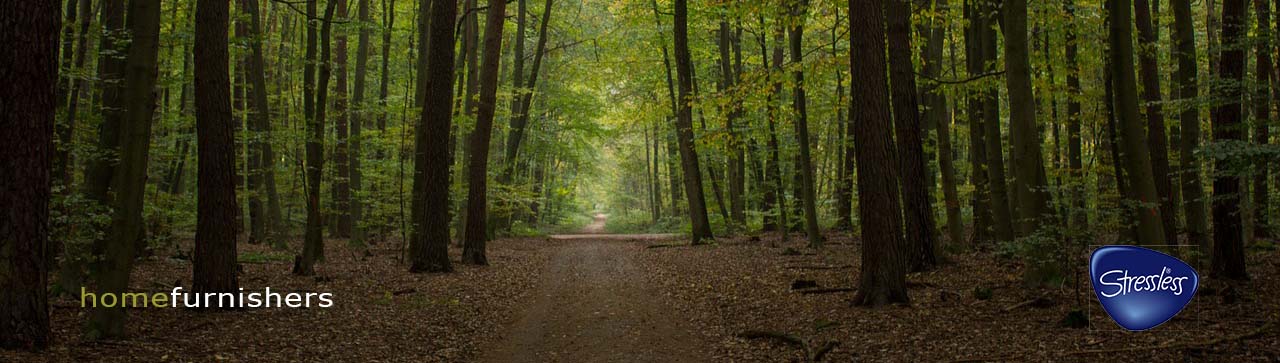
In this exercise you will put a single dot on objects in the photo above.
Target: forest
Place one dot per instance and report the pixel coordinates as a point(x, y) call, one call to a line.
point(632, 180)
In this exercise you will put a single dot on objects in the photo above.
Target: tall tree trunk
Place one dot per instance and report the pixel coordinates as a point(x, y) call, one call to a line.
point(1078, 219)
point(112, 53)
point(262, 223)
point(775, 197)
point(1228, 234)
point(342, 123)
point(429, 245)
point(1137, 159)
point(809, 198)
point(214, 260)
point(313, 243)
point(701, 232)
point(1030, 184)
point(128, 184)
point(916, 202)
point(982, 211)
point(737, 182)
point(1193, 203)
point(29, 67)
point(358, 116)
point(844, 176)
point(478, 171)
point(884, 264)
point(521, 119)
point(62, 162)
point(389, 18)
point(1157, 141)
point(938, 111)
point(1262, 103)
point(1002, 218)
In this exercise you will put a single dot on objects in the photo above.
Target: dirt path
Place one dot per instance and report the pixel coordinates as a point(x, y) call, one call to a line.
point(594, 304)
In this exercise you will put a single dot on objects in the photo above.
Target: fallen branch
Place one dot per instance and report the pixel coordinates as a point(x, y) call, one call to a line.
point(811, 353)
point(820, 267)
point(823, 350)
point(1036, 300)
point(1256, 332)
point(827, 290)
point(665, 245)
point(404, 291)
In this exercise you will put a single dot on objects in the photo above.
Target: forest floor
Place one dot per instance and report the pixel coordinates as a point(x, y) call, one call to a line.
point(612, 298)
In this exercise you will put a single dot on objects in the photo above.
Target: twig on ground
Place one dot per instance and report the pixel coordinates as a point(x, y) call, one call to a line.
point(827, 290)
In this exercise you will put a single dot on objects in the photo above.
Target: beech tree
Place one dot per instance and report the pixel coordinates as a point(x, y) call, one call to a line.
point(29, 66)
point(884, 265)
point(428, 247)
point(215, 252)
point(478, 176)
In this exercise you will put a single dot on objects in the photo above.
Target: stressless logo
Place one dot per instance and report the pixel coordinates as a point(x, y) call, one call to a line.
point(1141, 288)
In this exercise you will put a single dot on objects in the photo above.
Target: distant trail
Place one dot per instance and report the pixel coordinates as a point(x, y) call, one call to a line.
point(594, 304)
point(596, 230)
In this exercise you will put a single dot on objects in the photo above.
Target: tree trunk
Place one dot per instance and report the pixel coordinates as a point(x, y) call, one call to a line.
point(809, 198)
point(214, 260)
point(62, 162)
point(1193, 202)
point(938, 111)
point(701, 232)
point(521, 118)
point(884, 264)
point(737, 182)
point(389, 17)
point(128, 184)
point(429, 245)
point(342, 123)
point(1078, 219)
point(1262, 120)
point(1157, 141)
point(29, 68)
point(1030, 184)
point(313, 243)
point(1137, 159)
point(982, 214)
point(916, 202)
point(1228, 236)
point(261, 224)
point(358, 116)
point(1001, 215)
point(478, 172)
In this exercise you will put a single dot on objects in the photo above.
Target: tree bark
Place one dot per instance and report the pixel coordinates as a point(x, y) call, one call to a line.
point(701, 232)
point(982, 211)
point(359, 115)
point(429, 245)
point(1030, 183)
point(1137, 158)
point(809, 199)
point(29, 67)
point(128, 184)
point(1002, 219)
point(1262, 103)
point(478, 173)
point(214, 260)
point(1157, 141)
point(938, 111)
point(916, 202)
point(884, 265)
point(342, 123)
point(1228, 234)
point(313, 243)
point(1078, 219)
point(1193, 203)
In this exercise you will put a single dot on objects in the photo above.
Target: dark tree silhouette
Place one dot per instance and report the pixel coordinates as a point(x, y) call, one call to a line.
point(29, 68)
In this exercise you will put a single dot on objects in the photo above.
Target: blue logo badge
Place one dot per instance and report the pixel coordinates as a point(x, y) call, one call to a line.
point(1139, 287)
